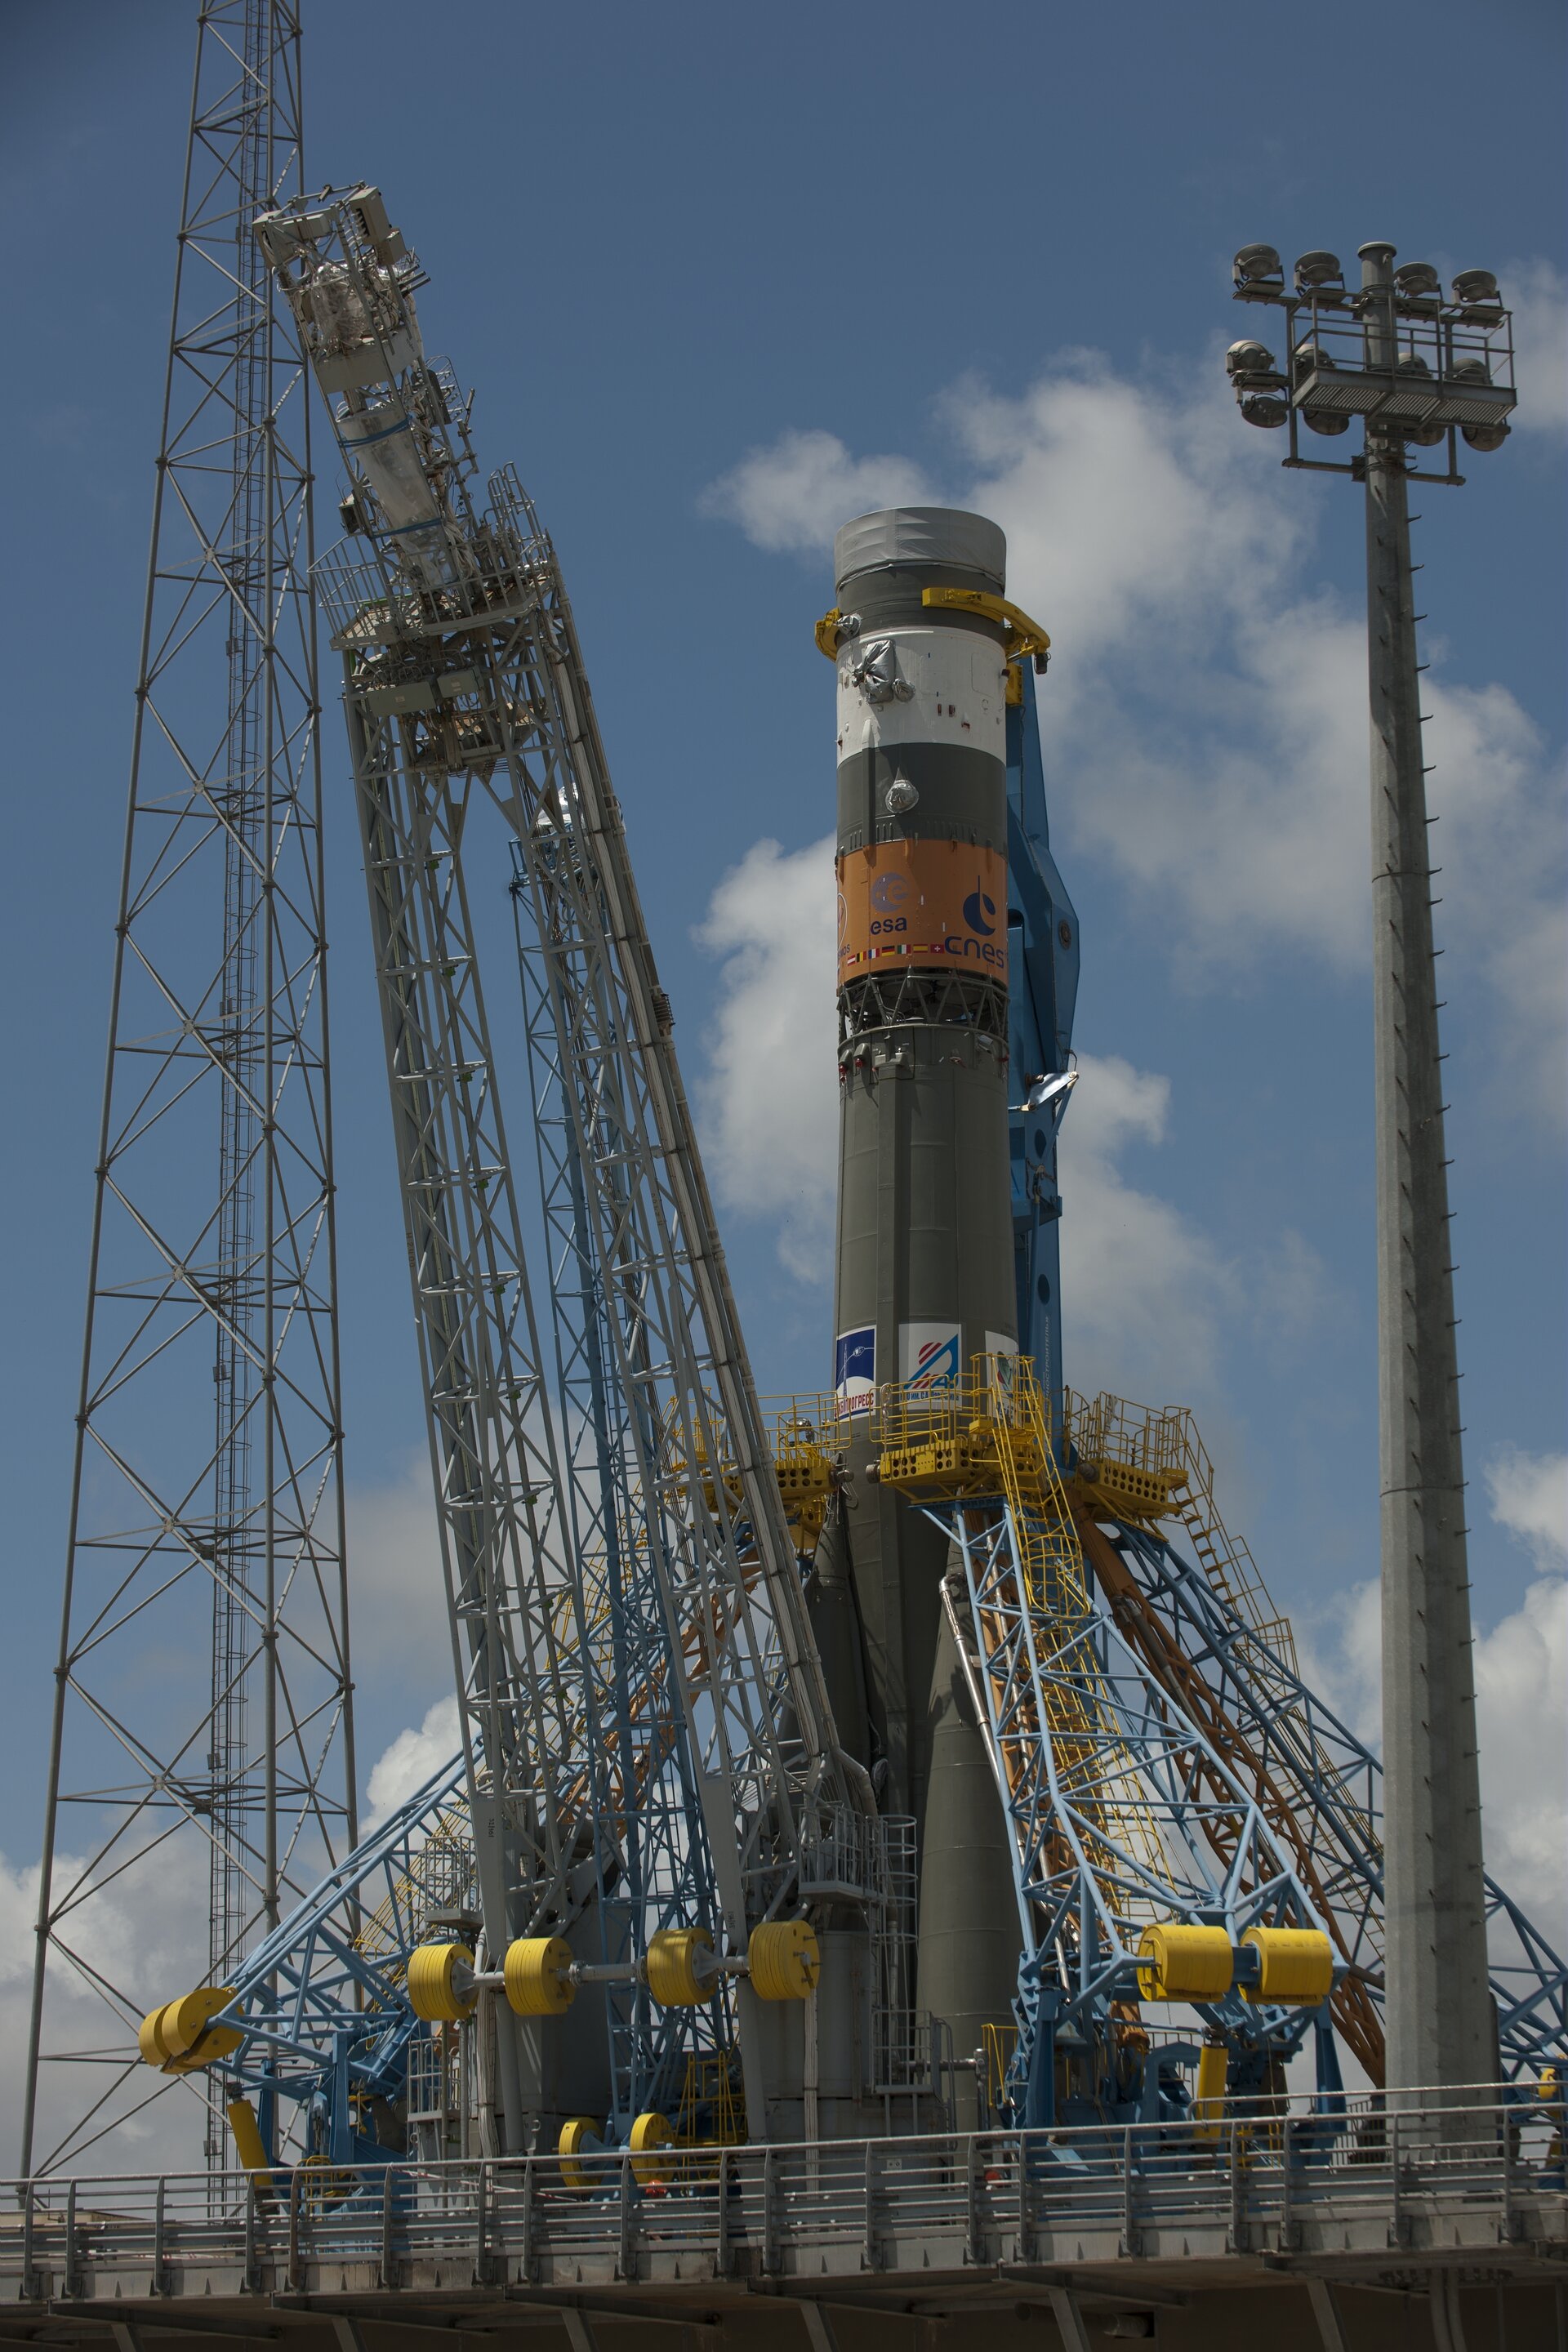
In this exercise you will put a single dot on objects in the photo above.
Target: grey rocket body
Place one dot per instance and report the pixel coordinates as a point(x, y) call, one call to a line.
point(924, 1277)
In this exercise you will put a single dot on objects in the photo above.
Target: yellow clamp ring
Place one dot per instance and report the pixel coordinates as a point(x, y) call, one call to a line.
point(675, 1976)
point(650, 2136)
point(1294, 1965)
point(538, 1974)
point(786, 1959)
point(580, 2135)
point(432, 1983)
point(1180, 1962)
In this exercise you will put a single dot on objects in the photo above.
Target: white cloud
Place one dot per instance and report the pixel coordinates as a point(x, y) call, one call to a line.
point(146, 1935)
point(792, 497)
point(410, 1760)
point(1143, 1290)
point(397, 1590)
point(1521, 1674)
point(1206, 721)
point(770, 1096)
point(1538, 297)
point(1530, 1498)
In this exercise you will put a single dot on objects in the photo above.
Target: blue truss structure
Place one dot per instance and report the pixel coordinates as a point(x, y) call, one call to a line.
point(319, 2014)
point(1042, 994)
point(1323, 1787)
point(1122, 1815)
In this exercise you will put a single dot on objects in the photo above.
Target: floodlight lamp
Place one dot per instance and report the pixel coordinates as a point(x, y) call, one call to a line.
point(1326, 420)
point(1426, 436)
point(1485, 437)
point(1480, 304)
point(1417, 278)
point(1410, 363)
point(1315, 269)
point(1472, 371)
point(1257, 264)
point(1309, 358)
point(1247, 359)
point(1264, 408)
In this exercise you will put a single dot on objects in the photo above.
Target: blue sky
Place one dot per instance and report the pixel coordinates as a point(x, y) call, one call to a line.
point(722, 276)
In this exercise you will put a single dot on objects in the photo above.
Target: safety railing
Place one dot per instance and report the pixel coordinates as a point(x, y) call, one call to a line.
point(1268, 2175)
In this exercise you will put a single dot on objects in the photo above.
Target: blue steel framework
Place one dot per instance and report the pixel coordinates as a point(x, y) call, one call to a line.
point(1324, 1786)
point(1042, 994)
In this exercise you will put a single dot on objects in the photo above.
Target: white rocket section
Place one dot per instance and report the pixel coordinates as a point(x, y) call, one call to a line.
point(921, 686)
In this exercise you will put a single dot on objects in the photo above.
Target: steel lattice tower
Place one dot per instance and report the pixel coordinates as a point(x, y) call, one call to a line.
point(202, 1741)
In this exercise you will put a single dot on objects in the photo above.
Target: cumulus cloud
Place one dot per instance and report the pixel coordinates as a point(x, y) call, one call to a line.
point(1206, 726)
point(770, 1093)
point(1537, 295)
point(1530, 1498)
point(1521, 1672)
point(137, 1941)
point(409, 1760)
point(394, 1562)
point(1143, 1289)
point(790, 497)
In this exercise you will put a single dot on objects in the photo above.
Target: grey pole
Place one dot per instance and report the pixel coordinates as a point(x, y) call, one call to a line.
point(1437, 2009)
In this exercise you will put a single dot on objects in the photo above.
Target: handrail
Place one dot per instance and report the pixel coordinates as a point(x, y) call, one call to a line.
point(1280, 2167)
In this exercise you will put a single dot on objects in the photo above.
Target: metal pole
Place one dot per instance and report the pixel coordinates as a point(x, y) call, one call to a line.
point(1437, 2008)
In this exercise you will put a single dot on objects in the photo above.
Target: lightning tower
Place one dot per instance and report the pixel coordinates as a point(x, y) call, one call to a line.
point(200, 1768)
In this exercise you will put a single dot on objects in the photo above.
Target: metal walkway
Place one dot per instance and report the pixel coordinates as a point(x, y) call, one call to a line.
point(938, 2224)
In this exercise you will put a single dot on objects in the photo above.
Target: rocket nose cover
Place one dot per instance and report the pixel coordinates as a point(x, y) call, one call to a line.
point(945, 536)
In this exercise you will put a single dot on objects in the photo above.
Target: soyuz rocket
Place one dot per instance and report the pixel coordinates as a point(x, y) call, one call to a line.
point(925, 1272)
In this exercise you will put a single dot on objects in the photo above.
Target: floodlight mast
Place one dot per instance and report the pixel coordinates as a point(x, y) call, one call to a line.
point(1345, 357)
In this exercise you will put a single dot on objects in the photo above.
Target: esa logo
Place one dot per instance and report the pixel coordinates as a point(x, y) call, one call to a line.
point(888, 894)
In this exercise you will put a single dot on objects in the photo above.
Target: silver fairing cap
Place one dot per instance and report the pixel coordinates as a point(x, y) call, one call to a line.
point(915, 535)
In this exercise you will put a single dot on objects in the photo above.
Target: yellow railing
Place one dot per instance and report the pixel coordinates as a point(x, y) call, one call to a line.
point(1148, 1462)
point(988, 1439)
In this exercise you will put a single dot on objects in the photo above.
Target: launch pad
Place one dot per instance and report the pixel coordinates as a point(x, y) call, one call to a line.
point(894, 1865)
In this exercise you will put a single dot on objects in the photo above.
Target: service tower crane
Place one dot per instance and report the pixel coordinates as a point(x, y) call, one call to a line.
point(646, 1725)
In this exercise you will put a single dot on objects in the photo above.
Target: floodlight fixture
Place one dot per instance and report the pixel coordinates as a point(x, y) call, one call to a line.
point(1257, 266)
point(1417, 279)
point(1319, 269)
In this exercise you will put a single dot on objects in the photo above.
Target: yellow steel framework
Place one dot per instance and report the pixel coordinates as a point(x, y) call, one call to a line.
point(1147, 1463)
point(967, 1445)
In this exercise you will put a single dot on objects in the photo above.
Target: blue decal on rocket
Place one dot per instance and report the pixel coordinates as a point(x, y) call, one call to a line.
point(854, 1369)
point(979, 912)
point(936, 1364)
